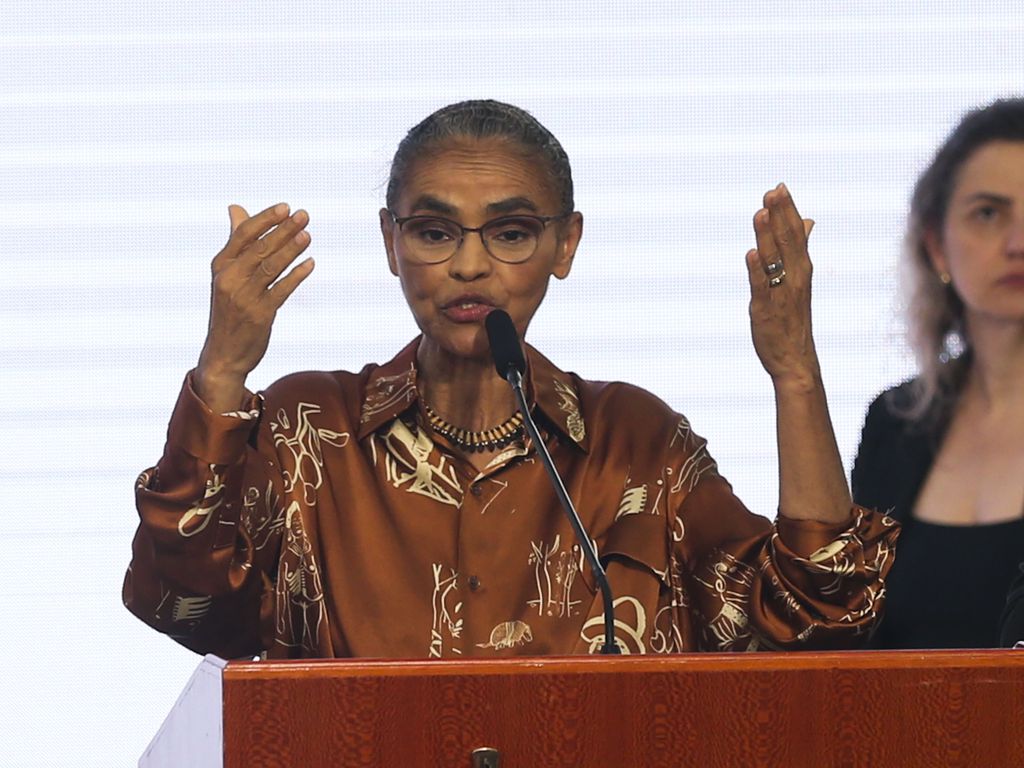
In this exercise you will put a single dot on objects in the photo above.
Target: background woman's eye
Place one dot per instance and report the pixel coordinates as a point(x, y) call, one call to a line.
point(986, 212)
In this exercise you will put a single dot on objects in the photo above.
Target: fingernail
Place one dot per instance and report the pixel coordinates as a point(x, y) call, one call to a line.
point(281, 209)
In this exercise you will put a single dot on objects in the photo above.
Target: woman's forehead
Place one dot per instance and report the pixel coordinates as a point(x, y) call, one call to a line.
point(478, 175)
point(998, 164)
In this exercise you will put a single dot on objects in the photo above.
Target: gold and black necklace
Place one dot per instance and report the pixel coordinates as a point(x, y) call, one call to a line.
point(483, 440)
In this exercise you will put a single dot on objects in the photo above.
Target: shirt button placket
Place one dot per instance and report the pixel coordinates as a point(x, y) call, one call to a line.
point(476, 492)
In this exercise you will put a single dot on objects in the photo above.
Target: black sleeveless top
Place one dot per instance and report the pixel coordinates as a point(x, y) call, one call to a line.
point(948, 584)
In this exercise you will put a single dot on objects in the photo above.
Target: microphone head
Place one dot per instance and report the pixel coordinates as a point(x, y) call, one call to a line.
point(505, 348)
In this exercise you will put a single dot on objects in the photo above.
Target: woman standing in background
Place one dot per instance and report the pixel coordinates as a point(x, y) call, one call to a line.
point(944, 452)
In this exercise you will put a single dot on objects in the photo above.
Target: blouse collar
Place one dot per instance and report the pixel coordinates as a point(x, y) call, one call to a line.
point(390, 391)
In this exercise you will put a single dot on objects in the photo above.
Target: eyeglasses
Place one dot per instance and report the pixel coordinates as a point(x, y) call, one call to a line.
point(433, 239)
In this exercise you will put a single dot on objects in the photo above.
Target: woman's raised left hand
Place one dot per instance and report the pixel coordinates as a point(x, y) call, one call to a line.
point(812, 481)
point(780, 292)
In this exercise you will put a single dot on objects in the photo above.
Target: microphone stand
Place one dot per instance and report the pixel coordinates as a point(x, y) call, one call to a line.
point(515, 380)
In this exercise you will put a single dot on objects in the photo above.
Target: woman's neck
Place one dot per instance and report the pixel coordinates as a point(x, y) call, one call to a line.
point(996, 378)
point(467, 392)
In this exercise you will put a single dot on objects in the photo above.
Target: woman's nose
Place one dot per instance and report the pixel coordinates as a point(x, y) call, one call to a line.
point(471, 260)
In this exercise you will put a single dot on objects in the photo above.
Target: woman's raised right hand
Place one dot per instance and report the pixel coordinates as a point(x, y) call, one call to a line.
point(248, 289)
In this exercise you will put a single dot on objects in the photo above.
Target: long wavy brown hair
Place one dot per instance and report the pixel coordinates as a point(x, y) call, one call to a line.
point(935, 313)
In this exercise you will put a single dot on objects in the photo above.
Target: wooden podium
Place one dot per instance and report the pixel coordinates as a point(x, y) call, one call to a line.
point(855, 708)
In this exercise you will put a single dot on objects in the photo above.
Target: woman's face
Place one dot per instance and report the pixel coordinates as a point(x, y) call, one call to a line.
point(473, 182)
point(982, 239)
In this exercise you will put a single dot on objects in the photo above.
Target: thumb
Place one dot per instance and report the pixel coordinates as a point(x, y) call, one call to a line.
point(237, 214)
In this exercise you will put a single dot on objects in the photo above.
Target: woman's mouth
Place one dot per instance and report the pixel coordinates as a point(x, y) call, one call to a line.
point(467, 309)
point(1015, 280)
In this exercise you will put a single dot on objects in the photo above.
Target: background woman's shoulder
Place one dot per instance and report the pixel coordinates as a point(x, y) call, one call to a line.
point(896, 445)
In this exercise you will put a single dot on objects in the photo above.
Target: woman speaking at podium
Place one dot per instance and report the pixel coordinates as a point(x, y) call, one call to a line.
point(403, 511)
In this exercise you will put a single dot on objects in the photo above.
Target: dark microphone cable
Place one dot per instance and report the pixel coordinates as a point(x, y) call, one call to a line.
point(511, 365)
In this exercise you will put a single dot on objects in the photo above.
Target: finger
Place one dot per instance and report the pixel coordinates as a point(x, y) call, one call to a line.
point(286, 286)
point(237, 214)
point(267, 270)
point(254, 227)
point(794, 221)
point(755, 271)
point(782, 199)
point(276, 239)
point(767, 248)
point(787, 226)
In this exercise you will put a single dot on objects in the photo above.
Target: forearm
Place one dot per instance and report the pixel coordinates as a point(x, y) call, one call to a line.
point(190, 504)
point(800, 584)
point(812, 482)
point(196, 572)
point(228, 625)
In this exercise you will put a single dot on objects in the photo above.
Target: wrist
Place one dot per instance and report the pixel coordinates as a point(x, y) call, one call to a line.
point(216, 370)
point(221, 390)
point(802, 382)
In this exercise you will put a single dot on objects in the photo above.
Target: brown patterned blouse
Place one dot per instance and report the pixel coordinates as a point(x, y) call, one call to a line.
point(327, 521)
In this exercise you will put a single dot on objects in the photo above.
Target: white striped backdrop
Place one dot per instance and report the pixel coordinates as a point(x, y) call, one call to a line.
point(127, 128)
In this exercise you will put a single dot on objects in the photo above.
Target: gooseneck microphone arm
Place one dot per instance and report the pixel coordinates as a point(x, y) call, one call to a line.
point(510, 363)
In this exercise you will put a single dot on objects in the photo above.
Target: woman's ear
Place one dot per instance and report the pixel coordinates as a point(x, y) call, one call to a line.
point(936, 253)
point(568, 242)
point(387, 230)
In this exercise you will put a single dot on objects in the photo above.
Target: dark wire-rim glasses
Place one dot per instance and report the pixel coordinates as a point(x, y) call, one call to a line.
point(435, 239)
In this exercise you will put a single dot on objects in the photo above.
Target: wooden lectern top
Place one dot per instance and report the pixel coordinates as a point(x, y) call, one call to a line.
point(854, 708)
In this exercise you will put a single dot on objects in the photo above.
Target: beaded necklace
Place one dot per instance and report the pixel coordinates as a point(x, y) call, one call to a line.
point(483, 440)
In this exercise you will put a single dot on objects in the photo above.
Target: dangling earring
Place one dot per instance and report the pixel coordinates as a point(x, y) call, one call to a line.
point(954, 344)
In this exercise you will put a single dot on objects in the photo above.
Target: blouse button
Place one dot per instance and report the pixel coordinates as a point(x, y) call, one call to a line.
point(474, 583)
point(475, 489)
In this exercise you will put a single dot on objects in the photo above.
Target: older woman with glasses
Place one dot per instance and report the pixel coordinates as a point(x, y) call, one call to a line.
point(402, 511)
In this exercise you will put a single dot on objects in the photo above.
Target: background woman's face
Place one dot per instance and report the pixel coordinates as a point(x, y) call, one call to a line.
point(982, 239)
point(472, 182)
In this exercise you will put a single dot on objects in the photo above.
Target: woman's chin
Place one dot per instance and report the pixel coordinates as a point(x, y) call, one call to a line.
point(468, 341)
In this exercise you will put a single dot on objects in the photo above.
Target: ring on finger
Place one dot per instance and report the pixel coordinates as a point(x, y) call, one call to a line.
point(775, 266)
point(778, 280)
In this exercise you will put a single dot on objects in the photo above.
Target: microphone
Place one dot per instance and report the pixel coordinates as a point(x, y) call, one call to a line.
point(505, 347)
point(511, 365)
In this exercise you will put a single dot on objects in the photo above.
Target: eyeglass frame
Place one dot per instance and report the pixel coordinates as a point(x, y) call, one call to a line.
point(400, 221)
